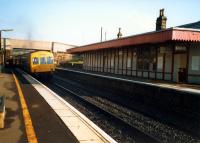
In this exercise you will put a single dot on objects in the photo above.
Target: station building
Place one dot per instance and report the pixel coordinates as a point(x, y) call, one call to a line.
point(171, 54)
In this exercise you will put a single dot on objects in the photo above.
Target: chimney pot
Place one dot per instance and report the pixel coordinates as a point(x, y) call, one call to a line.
point(162, 12)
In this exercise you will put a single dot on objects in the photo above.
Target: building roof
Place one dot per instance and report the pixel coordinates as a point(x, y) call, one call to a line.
point(171, 34)
point(195, 25)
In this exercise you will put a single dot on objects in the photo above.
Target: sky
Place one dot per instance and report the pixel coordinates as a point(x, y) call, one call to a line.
point(79, 22)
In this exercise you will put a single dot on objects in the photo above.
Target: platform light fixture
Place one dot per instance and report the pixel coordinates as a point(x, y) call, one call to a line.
point(3, 50)
point(3, 30)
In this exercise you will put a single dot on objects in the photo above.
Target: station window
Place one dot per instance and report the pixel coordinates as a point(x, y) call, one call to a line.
point(146, 58)
point(43, 60)
point(49, 60)
point(35, 61)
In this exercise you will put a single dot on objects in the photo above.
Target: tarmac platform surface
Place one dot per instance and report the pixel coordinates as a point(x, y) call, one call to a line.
point(14, 130)
point(47, 125)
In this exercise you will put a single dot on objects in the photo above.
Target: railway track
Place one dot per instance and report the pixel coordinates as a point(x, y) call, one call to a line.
point(121, 131)
point(138, 126)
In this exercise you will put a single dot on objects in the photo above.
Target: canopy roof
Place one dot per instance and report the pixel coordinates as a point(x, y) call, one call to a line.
point(171, 34)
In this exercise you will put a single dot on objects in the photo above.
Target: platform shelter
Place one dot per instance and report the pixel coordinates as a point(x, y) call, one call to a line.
point(171, 54)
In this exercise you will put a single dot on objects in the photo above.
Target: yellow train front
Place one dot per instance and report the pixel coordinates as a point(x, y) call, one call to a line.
point(40, 63)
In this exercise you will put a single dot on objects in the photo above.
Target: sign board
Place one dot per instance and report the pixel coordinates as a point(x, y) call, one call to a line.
point(160, 63)
point(180, 48)
point(196, 63)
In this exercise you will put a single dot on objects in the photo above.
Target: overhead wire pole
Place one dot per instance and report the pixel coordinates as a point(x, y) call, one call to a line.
point(52, 46)
point(101, 33)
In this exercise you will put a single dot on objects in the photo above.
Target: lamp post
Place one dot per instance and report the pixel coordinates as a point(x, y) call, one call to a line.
point(3, 50)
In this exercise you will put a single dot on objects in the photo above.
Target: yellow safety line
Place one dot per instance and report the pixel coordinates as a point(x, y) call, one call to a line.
point(27, 119)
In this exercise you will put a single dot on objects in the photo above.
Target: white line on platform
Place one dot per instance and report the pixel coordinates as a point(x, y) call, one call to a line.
point(183, 89)
point(82, 128)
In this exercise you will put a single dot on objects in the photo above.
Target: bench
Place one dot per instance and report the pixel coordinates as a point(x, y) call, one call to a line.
point(2, 111)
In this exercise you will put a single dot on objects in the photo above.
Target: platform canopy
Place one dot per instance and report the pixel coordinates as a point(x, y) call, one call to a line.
point(170, 34)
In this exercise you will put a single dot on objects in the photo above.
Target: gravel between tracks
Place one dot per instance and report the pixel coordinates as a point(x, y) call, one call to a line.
point(143, 123)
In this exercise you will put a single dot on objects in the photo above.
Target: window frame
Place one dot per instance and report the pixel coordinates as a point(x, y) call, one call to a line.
point(33, 61)
point(51, 58)
point(42, 63)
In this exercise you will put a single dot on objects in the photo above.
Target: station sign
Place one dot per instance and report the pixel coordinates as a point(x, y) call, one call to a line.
point(180, 48)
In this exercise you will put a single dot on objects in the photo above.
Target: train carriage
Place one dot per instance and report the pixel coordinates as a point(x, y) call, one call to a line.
point(39, 63)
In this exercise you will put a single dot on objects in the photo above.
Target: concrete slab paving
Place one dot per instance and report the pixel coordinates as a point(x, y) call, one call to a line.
point(64, 113)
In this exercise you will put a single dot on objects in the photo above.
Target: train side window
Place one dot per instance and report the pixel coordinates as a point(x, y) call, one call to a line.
point(35, 61)
point(43, 60)
point(49, 60)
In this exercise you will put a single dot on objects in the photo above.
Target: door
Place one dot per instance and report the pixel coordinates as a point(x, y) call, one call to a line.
point(180, 65)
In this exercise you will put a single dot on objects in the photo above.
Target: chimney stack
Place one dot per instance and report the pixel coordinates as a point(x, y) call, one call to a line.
point(161, 21)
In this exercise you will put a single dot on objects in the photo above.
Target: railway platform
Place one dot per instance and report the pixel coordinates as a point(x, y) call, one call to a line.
point(35, 115)
point(14, 128)
point(46, 125)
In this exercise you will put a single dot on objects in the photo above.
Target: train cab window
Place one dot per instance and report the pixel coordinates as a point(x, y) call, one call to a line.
point(35, 61)
point(49, 60)
point(43, 60)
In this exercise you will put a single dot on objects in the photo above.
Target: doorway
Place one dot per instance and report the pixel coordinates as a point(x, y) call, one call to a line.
point(180, 67)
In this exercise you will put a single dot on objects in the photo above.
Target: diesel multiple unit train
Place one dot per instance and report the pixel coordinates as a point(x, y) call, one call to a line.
point(38, 62)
